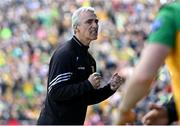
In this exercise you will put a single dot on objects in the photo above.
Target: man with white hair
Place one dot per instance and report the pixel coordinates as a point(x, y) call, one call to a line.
point(73, 83)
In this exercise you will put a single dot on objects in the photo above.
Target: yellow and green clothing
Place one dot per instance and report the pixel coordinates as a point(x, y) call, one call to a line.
point(166, 30)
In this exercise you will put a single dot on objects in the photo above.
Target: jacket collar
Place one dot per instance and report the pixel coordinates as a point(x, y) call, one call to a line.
point(76, 40)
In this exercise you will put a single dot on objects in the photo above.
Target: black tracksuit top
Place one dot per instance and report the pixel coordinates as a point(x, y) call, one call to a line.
point(69, 92)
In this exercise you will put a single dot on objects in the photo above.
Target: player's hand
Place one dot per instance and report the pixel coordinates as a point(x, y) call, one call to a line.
point(95, 79)
point(156, 116)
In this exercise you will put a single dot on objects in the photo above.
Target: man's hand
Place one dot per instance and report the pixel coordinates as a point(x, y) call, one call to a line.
point(126, 117)
point(156, 116)
point(116, 81)
point(95, 79)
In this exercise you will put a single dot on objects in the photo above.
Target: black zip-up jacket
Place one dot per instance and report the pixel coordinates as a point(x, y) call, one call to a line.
point(69, 92)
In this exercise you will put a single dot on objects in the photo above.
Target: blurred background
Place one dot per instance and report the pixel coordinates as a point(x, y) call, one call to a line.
point(30, 31)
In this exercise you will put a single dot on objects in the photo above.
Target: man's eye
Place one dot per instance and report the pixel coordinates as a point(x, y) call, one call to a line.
point(96, 21)
point(89, 22)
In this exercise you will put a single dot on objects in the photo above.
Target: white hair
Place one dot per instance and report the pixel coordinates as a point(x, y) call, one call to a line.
point(76, 15)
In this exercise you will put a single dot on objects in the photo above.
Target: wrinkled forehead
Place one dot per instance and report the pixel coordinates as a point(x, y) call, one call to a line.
point(87, 15)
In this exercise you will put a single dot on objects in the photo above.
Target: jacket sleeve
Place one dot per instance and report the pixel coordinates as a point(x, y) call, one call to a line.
point(96, 96)
point(171, 110)
point(60, 85)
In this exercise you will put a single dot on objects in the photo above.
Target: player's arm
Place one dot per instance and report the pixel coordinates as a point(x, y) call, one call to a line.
point(153, 56)
point(161, 41)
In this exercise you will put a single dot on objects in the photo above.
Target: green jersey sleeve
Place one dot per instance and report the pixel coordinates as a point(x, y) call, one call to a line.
point(163, 28)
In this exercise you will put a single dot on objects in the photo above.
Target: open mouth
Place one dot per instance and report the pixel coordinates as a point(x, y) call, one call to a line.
point(94, 32)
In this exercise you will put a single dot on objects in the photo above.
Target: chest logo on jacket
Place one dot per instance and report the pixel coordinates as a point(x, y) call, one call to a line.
point(81, 68)
point(92, 69)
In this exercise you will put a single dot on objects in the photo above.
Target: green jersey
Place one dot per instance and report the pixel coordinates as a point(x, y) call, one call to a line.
point(166, 30)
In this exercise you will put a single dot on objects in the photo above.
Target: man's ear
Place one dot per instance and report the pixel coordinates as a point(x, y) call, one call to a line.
point(76, 28)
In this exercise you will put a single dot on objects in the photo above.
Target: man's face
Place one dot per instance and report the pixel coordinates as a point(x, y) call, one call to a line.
point(88, 26)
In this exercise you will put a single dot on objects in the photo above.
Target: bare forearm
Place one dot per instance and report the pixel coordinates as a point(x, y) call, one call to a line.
point(139, 83)
point(134, 92)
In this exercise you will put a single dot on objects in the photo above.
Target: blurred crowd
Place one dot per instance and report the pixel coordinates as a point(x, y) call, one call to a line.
point(30, 31)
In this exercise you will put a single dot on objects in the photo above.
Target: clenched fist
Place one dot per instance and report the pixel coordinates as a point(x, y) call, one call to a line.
point(116, 81)
point(95, 79)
